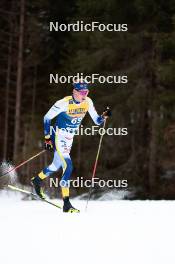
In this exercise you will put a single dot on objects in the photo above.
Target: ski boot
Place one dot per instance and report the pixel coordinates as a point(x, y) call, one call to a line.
point(37, 182)
point(67, 207)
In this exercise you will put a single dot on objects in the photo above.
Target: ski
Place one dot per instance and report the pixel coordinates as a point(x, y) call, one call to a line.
point(15, 188)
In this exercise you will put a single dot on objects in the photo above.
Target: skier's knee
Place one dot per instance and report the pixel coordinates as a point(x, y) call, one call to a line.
point(50, 169)
point(53, 167)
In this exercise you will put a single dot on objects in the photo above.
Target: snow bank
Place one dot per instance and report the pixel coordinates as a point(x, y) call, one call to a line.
point(123, 232)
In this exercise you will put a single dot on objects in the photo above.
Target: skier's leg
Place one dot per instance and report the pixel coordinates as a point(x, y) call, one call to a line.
point(67, 171)
point(64, 183)
point(53, 167)
point(63, 145)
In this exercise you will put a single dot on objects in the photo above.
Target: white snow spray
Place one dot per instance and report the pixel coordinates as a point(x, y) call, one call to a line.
point(7, 178)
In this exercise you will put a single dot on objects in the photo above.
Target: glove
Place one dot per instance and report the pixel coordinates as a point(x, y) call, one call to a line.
point(107, 112)
point(48, 143)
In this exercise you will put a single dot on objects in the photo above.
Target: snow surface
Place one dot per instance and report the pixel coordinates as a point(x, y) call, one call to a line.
point(118, 231)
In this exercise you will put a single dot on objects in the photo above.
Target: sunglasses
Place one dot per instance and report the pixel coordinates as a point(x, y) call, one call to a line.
point(82, 92)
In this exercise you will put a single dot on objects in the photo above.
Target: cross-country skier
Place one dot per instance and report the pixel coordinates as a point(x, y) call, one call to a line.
point(70, 112)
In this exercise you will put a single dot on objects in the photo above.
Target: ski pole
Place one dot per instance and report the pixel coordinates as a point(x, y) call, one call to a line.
point(95, 165)
point(22, 163)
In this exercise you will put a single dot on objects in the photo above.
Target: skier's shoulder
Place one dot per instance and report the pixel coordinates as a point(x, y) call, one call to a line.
point(62, 102)
point(67, 98)
point(89, 101)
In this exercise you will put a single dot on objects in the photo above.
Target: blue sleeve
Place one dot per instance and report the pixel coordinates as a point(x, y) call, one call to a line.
point(98, 120)
point(55, 110)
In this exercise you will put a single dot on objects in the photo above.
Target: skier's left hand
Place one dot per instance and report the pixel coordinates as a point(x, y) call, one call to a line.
point(107, 112)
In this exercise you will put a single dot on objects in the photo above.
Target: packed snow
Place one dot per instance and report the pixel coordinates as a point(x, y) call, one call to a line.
point(115, 231)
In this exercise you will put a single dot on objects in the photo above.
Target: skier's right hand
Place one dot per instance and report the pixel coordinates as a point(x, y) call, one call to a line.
point(107, 112)
point(48, 143)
